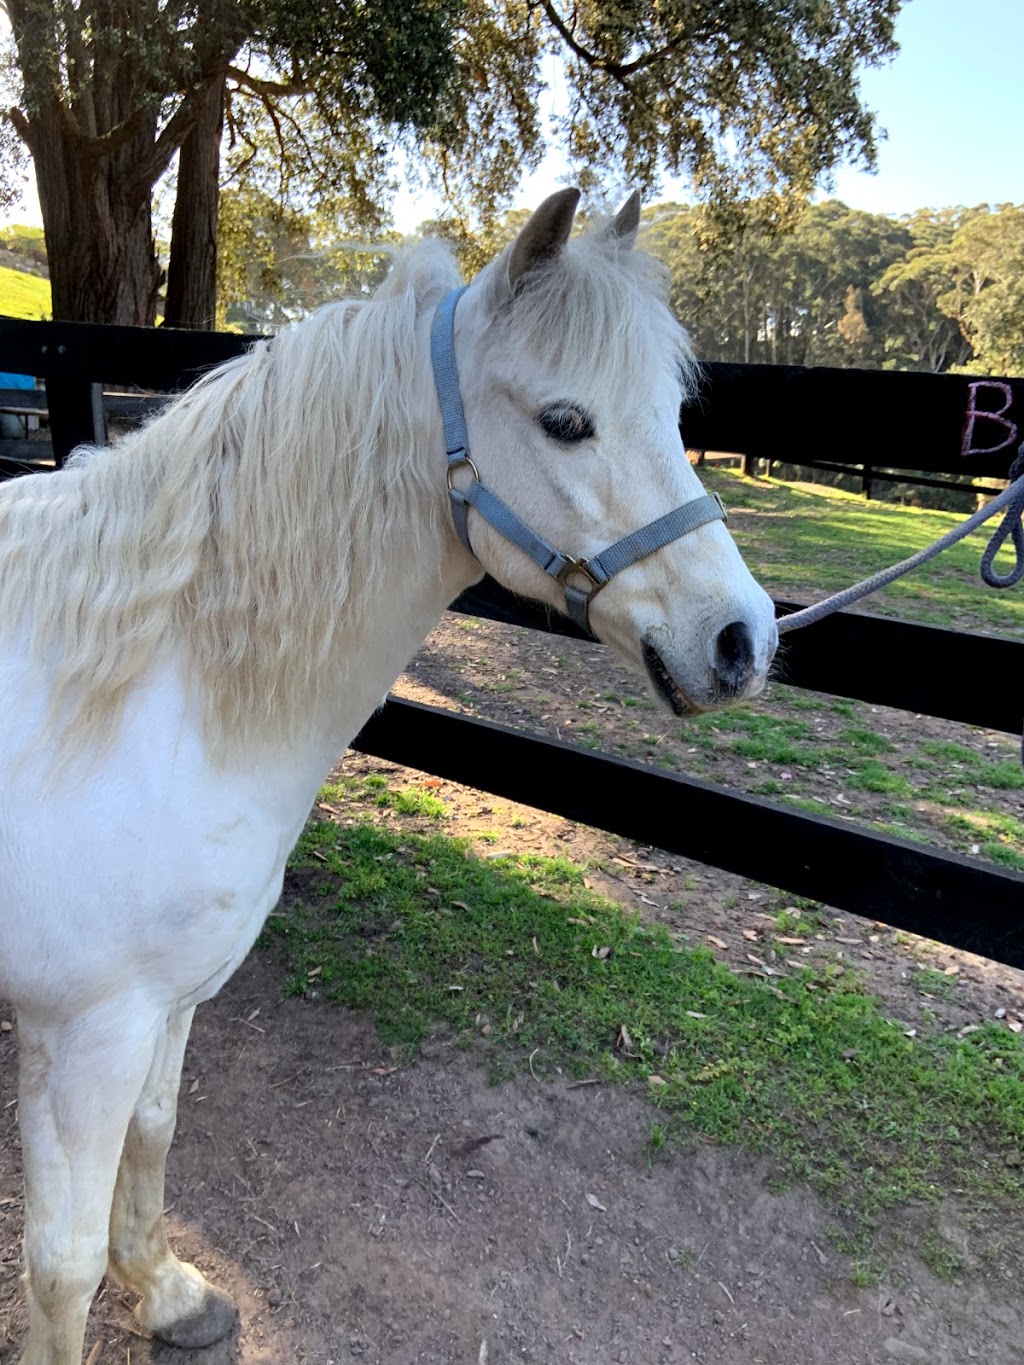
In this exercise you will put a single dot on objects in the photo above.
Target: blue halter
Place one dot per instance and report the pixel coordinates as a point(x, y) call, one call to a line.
point(562, 567)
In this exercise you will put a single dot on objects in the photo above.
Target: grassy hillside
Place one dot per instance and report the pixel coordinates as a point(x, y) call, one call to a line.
point(23, 296)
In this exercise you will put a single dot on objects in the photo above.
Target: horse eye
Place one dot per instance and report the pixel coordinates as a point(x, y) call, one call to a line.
point(567, 423)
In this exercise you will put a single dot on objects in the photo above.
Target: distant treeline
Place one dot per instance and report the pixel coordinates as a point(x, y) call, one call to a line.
point(938, 290)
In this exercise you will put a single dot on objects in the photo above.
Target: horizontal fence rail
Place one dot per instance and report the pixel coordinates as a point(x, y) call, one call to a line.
point(895, 419)
point(938, 423)
point(956, 900)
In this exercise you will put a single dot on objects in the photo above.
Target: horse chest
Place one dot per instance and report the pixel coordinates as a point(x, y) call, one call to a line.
point(168, 864)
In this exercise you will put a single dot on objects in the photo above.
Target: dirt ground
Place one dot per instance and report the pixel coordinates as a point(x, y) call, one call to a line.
point(363, 1211)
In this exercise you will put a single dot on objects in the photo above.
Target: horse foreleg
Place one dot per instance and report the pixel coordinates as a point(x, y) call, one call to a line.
point(177, 1303)
point(78, 1083)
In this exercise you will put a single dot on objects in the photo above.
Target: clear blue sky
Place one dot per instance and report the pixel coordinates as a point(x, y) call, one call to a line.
point(952, 102)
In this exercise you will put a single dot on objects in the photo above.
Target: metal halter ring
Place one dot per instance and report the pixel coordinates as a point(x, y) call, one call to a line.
point(454, 464)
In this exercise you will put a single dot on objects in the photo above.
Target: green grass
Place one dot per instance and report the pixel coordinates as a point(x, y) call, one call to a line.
point(23, 295)
point(406, 801)
point(805, 1067)
point(804, 538)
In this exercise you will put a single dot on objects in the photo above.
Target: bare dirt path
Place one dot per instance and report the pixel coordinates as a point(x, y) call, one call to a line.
point(421, 1215)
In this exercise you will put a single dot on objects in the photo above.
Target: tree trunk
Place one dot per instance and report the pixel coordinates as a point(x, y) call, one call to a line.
point(99, 232)
point(192, 272)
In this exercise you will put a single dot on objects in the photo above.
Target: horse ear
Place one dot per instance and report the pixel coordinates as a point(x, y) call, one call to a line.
point(543, 236)
point(626, 222)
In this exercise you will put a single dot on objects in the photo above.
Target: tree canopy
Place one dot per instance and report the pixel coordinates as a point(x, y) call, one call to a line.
point(936, 290)
point(310, 99)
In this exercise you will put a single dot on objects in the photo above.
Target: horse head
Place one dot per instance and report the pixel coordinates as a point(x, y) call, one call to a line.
point(570, 479)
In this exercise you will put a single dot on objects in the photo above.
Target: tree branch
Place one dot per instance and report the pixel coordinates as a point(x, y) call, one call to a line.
point(174, 133)
point(269, 89)
point(555, 19)
point(619, 71)
point(108, 143)
point(648, 59)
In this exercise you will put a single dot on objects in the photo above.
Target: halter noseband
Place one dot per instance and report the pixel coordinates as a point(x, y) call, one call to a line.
point(599, 568)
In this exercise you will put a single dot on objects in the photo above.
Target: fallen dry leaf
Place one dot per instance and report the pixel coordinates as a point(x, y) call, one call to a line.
point(718, 942)
point(595, 1203)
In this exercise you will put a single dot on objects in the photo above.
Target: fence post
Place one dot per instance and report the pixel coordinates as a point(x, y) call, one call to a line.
point(866, 481)
point(748, 466)
point(76, 415)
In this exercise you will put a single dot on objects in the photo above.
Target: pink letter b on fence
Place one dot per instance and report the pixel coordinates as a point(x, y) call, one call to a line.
point(976, 415)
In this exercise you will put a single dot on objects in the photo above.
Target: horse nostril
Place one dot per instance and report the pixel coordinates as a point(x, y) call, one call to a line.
point(734, 657)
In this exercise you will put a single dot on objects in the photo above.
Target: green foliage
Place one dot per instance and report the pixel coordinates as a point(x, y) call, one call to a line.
point(826, 285)
point(27, 242)
point(274, 266)
point(760, 99)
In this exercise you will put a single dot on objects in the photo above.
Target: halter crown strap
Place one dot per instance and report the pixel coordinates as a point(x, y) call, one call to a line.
point(560, 566)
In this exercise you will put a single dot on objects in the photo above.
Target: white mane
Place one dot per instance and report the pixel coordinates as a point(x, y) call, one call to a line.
point(244, 521)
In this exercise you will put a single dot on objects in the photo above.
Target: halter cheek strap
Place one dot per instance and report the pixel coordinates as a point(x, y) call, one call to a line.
point(595, 571)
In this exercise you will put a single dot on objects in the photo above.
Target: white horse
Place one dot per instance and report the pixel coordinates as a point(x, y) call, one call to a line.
point(196, 621)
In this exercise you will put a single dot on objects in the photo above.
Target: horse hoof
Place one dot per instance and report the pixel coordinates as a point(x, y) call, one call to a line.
point(214, 1321)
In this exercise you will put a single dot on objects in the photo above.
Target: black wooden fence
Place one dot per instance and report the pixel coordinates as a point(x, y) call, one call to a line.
point(944, 424)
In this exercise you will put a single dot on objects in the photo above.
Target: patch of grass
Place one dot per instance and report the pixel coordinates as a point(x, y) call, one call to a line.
point(406, 800)
point(23, 295)
point(1008, 776)
point(866, 741)
point(998, 836)
point(901, 831)
point(1002, 853)
point(930, 981)
point(941, 1258)
point(774, 749)
point(770, 788)
point(956, 762)
point(810, 805)
point(788, 923)
point(805, 1068)
point(950, 753)
point(872, 776)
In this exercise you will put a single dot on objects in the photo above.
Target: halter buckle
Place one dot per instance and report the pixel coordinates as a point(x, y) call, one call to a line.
point(725, 511)
point(579, 566)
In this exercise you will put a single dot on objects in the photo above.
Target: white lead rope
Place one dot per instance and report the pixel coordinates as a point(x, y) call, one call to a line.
point(1012, 528)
